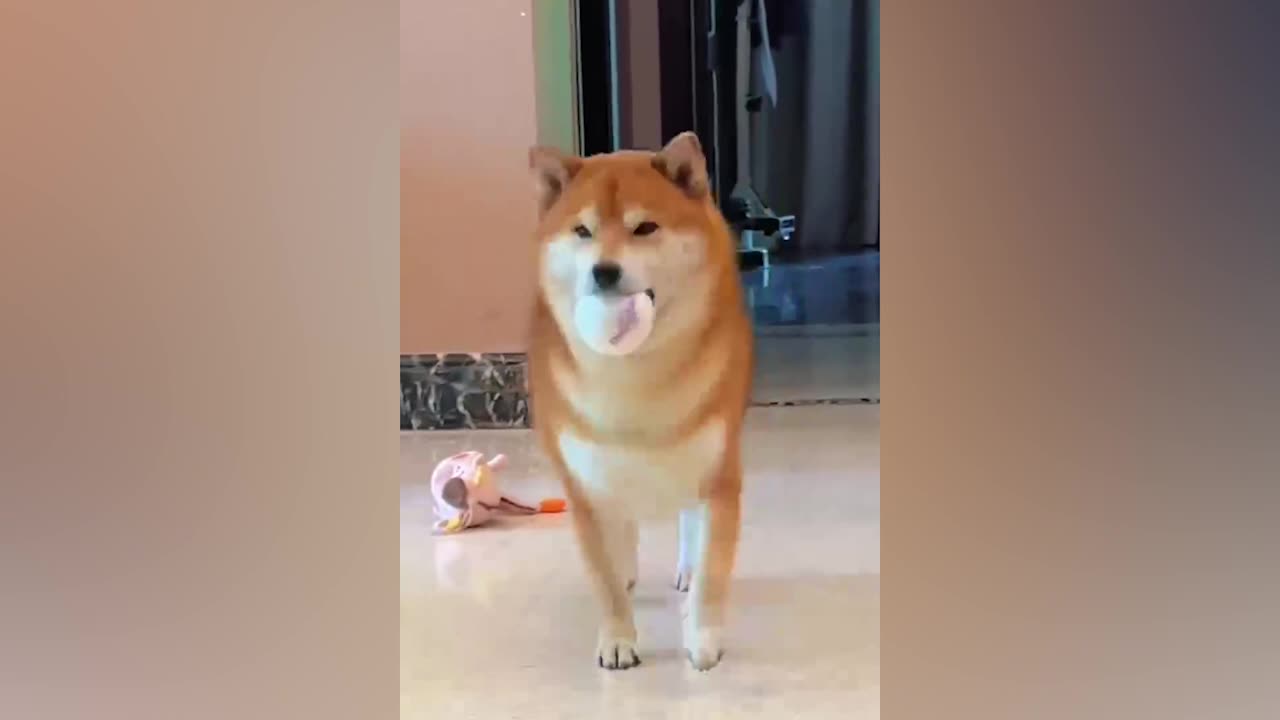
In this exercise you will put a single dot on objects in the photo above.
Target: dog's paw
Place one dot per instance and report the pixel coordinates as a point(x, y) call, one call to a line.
point(616, 653)
point(702, 647)
point(684, 578)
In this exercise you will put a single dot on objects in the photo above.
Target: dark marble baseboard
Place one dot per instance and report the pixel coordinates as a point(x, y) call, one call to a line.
point(817, 401)
point(464, 392)
point(490, 391)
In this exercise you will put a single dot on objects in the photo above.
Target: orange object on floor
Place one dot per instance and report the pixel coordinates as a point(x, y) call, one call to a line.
point(553, 505)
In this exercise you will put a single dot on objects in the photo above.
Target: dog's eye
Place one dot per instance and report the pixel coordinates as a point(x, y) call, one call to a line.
point(645, 228)
point(582, 231)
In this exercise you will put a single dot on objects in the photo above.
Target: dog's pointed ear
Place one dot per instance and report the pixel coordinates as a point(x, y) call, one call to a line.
point(552, 170)
point(684, 164)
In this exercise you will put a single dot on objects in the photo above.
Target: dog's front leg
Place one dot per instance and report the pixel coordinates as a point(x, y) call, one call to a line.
point(708, 595)
point(605, 539)
point(624, 547)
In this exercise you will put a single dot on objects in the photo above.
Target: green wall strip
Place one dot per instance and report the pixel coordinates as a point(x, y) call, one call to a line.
point(556, 73)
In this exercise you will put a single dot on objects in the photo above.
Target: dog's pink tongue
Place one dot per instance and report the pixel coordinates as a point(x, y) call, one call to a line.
point(627, 320)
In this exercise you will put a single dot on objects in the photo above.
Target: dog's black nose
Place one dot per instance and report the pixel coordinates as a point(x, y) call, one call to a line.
point(607, 275)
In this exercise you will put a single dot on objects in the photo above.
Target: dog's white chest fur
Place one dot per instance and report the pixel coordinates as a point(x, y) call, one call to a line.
point(646, 482)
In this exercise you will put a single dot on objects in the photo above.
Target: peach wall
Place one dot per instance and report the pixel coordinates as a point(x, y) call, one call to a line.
point(467, 119)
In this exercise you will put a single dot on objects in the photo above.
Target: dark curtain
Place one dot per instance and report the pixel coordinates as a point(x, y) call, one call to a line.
point(815, 154)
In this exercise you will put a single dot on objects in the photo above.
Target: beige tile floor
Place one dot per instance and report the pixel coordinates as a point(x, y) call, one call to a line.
point(498, 623)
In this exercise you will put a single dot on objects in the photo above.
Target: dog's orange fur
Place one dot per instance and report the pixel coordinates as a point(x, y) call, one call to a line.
point(699, 376)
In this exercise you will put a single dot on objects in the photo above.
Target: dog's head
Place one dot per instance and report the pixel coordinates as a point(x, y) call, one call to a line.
point(627, 222)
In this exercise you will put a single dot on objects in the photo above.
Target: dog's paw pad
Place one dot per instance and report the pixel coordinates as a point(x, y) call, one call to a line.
point(617, 654)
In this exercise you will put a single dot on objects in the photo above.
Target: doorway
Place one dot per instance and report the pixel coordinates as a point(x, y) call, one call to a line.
point(785, 97)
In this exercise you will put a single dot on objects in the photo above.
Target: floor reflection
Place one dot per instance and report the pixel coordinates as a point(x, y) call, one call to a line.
point(838, 290)
point(817, 329)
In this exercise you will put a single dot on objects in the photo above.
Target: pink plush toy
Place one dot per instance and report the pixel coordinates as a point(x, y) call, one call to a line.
point(466, 495)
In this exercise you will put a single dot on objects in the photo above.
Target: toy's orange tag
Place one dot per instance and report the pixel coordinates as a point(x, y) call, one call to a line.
point(553, 505)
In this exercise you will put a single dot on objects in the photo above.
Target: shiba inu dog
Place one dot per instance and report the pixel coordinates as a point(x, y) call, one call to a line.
point(654, 432)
